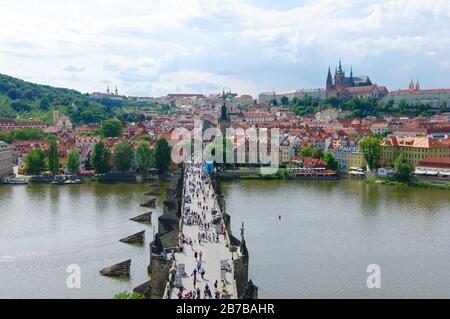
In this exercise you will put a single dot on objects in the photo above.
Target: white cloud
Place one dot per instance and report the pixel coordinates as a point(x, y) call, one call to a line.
point(148, 47)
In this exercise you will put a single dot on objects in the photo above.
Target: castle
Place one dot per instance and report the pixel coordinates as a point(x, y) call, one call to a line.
point(340, 81)
point(352, 86)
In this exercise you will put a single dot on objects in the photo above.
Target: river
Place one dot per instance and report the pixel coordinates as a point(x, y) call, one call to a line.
point(328, 234)
point(46, 228)
point(330, 231)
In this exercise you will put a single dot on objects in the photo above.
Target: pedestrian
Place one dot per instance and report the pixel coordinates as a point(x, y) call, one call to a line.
point(200, 254)
point(195, 255)
point(202, 272)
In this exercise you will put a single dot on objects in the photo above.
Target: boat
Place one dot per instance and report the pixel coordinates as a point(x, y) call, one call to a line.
point(356, 172)
point(73, 182)
point(15, 181)
point(66, 180)
point(318, 173)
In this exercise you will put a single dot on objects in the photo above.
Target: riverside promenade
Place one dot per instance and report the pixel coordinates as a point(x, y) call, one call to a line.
point(203, 266)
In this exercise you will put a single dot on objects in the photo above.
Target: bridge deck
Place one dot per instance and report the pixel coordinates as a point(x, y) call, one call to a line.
point(213, 253)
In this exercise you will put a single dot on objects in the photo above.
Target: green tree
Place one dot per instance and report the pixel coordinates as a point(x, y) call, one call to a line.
point(127, 295)
point(112, 128)
point(35, 162)
point(371, 149)
point(284, 100)
point(53, 158)
point(402, 169)
point(331, 161)
point(100, 158)
point(306, 151)
point(123, 156)
point(73, 161)
point(317, 153)
point(162, 154)
point(145, 157)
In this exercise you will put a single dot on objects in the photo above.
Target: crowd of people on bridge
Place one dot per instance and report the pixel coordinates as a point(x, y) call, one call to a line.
point(197, 212)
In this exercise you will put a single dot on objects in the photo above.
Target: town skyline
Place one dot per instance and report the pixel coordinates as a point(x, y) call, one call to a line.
point(244, 46)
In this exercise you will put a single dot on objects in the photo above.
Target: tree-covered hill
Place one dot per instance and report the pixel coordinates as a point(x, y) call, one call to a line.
point(25, 100)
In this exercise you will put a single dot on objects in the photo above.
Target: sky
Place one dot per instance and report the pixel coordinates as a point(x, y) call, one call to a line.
point(152, 48)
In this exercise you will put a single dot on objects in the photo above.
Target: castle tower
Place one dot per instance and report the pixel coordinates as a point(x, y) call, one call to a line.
point(351, 76)
point(224, 123)
point(339, 77)
point(329, 85)
point(411, 84)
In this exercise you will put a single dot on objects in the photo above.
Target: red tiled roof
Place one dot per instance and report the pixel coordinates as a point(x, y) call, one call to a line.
point(404, 92)
point(443, 162)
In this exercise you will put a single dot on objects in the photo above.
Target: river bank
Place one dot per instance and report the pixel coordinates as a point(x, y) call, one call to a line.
point(416, 184)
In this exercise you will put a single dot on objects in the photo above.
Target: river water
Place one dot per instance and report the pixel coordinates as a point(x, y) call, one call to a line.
point(328, 234)
point(46, 228)
point(330, 231)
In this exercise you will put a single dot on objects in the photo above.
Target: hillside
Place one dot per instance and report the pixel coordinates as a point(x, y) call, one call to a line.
point(21, 99)
point(24, 100)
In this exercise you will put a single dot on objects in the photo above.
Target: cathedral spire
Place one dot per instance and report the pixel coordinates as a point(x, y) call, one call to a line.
point(411, 84)
point(329, 79)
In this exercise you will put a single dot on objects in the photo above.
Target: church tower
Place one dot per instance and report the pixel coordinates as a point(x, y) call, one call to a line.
point(116, 92)
point(107, 90)
point(417, 86)
point(340, 75)
point(411, 84)
point(351, 77)
point(224, 123)
point(224, 119)
point(329, 85)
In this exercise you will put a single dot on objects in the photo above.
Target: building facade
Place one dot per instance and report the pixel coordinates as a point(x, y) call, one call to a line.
point(413, 149)
point(436, 98)
point(267, 97)
point(6, 160)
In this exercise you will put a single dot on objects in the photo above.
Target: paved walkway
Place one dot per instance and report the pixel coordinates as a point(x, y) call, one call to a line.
point(203, 243)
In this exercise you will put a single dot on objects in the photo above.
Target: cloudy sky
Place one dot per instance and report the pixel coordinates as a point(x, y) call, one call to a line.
point(155, 47)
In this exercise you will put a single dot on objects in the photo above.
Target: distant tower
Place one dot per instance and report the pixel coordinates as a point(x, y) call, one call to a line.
point(411, 84)
point(417, 86)
point(339, 77)
point(116, 92)
point(224, 123)
point(329, 85)
point(107, 90)
point(224, 120)
point(351, 76)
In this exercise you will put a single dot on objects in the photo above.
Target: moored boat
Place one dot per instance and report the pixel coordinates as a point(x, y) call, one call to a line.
point(15, 181)
point(313, 173)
